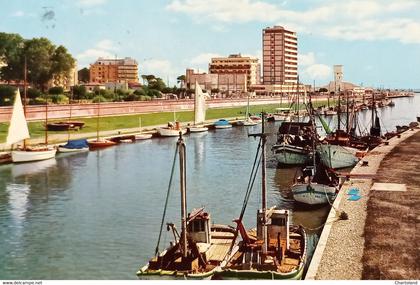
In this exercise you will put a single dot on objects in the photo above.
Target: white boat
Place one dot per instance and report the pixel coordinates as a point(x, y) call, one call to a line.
point(222, 124)
point(172, 130)
point(199, 111)
point(287, 154)
point(315, 188)
point(336, 156)
point(141, 135)
point(250, 120)
point(18, 131)
point(282, 115)
point(314, 193)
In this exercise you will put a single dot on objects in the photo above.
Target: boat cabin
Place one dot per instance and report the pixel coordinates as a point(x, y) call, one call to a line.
point(198, 226)
point(277, 225)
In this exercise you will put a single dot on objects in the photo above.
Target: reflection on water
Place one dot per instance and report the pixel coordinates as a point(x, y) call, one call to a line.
point(96, 215)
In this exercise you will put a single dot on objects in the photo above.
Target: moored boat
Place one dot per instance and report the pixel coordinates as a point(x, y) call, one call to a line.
point(287, 154)
point(199, 249)
point(199, 111)
point(222, 124)
point(74, 146)
point(100, 143)
point(337, 156)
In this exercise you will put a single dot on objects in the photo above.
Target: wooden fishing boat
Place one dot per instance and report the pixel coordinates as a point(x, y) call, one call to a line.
point(275, 249)
point(199, 249)
point(100, 143)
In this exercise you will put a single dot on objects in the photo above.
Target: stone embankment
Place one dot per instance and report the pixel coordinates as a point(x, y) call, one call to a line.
point(340, 250)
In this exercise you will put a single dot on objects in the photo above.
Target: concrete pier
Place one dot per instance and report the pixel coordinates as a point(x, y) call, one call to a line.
point(341, 247)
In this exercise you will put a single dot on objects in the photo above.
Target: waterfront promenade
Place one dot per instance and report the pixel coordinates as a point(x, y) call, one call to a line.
point(377, 239)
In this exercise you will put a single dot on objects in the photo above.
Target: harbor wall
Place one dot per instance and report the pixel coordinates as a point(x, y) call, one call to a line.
point(339, 251)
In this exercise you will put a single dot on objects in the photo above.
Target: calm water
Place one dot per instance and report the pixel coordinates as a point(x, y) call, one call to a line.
point(96, 215)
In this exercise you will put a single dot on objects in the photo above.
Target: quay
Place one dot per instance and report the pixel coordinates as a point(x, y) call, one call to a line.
point(377, 241)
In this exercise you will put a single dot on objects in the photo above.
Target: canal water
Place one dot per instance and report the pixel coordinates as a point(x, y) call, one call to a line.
point(96, 215)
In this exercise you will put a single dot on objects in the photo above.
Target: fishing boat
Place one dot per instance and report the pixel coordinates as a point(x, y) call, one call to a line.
point(275, 249)
point(99, 143)
point(79, 145)
point(199, 111)
point(199, 249)
point(294, 143)
point(18, 131)
point(282, 115)
point(316, 186)
point(337, 156)
point(172, 129)
point(222, 124)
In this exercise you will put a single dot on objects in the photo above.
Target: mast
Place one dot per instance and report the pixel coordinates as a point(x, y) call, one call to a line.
point(339, 109)
point(182, 172)
point(297, 106)
point(347, 114)
point(46, 119)
point(71, 99)
point(263, 186)
point(25, 90)
point(97, 123)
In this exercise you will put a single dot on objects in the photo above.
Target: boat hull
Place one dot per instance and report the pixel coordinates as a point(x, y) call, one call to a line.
point(168, 132)
point(143, 136)
point(35, 155)
point(231, 274)
point(291, 155)
point(68, 150)
point(335, 156)
point(222, 126)
point(314, 193)
point(101, 144)
point(198, 129)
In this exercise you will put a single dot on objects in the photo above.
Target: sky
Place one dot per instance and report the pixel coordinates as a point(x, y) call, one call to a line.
point(376, 41)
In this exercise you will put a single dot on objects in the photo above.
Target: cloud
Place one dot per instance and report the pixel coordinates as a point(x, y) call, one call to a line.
point(318, 71)
point(90, 3)
point(305, 59)
point(18, 13)
point(348, 20)
point(203, 58)
point(104, 48)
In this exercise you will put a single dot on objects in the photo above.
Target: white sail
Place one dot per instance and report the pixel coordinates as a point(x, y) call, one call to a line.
point(199, 105)
point(18, 128)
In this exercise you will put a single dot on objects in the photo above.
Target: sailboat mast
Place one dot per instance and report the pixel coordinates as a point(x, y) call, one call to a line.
point(339, 110)
point(71, 99)
point(46, 119)
point(347, 114)
point(25, 90)
point(298, 108)
point(263, 186)
point(97, 123)
point(182, 170)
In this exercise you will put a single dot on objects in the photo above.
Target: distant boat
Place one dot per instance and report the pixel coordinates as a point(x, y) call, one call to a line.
point(99, 142)
point(199, 111)
point(222, 124)
point(316, 188)
point(141, 135)
point(199, 249)
point(249, 121)
point(74, 146)
point(282, 115)
point(18, 131)
point(172, 130)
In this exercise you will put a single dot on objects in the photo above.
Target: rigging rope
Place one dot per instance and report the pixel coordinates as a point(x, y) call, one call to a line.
point(166, 201)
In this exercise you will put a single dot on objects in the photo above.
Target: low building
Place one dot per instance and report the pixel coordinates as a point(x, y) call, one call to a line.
point(90, 87)
point(278, 89)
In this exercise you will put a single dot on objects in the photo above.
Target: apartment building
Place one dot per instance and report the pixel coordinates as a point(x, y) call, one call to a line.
point(236, 65)
point(279, 56)
point(114, 70)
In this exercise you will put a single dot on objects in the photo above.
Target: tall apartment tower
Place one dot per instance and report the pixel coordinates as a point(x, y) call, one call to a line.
point(338, 77)
point(279, 56)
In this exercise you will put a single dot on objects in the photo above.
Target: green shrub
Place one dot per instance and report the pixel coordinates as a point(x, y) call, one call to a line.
point(59, 99)
point(145, 98)
point(56, 90)
point(98, 99)
point(7, 95)
point(34, 93)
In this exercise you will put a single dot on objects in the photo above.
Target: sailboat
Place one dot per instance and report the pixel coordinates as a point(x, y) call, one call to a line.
point(199, 111)
point(199, 249)
point(99, 142)
point(140, 135)
point(251, 120)
point(79, 145)
point(18, 131)
point(275, 249)
point(172, 130)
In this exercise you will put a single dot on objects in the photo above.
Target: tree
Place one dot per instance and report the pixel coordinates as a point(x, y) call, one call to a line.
point(181, 79)
point(7, 95)
point(84, 75)
point(11, 55)
point(62, 61)
point(79, 92)
point(323, 89)
point(56, 90)
point(157, 84)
